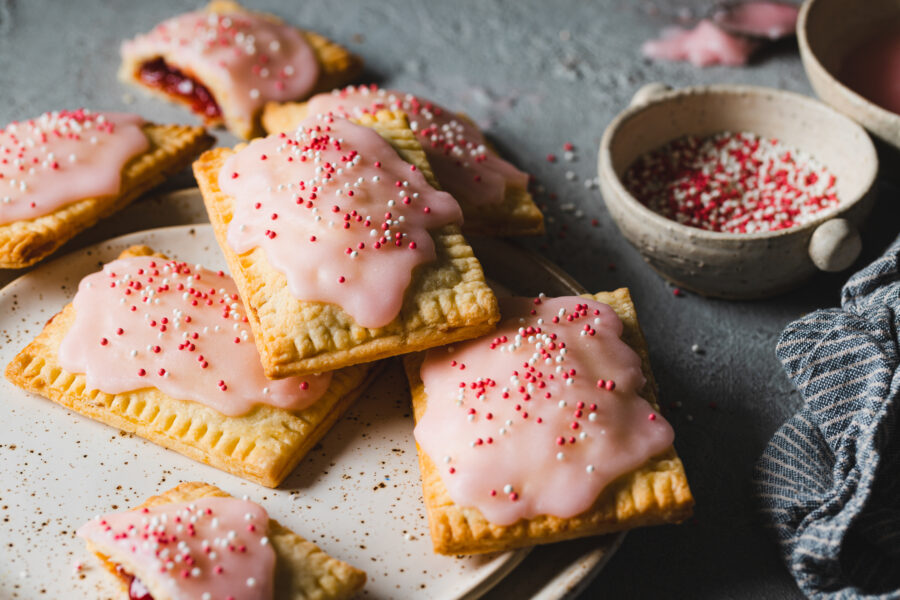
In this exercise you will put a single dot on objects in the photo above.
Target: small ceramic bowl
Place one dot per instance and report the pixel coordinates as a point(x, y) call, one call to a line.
point(826, 31)
point(740, 266)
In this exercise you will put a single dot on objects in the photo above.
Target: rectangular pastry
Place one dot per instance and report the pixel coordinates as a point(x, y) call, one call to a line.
point(65, 170)
point(225, 62)
point(493, 193)
point(545, 430)
point(196, 541)
point(342, 249)
point(176, 366)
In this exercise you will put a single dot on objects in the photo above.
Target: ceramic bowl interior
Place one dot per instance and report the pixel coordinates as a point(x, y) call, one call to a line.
point(797, 121)
point(827, 31)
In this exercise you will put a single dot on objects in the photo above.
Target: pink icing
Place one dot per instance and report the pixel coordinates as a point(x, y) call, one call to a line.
point(338, 212)
point(539, 416)
point(64, 156)
point(456, 149)
point(702, 46)
point(873, 69)
point(254, 58)
point(771, 20)
point(145, 322)
point(215, 546)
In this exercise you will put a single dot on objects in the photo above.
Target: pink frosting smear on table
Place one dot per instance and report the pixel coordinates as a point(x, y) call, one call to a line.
point(64, 156)
point(214, 546)
point(539, 416)
point(873, 69)
point(703, 46)
point(771, 20)
point(256, 59)
point(147, 322)
point(337, 211)
point(456, 148)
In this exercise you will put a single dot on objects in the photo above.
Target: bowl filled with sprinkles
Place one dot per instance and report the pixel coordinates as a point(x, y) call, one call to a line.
point(737, 191)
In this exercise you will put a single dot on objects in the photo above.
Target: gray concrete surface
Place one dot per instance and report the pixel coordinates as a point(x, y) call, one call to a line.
point(536, 74)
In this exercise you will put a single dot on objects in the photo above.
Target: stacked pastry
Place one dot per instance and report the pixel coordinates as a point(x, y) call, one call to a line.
point(344, 232)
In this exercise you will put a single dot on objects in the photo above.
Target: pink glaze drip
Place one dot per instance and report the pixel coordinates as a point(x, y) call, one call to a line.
point(185, 550)
point(702, 46)
point(338, 212)
point(524, 422)
point(771, 20)
point(873, 69)
point(60, 157)
point(255, 58)
point(145, 322)
point(456, 149)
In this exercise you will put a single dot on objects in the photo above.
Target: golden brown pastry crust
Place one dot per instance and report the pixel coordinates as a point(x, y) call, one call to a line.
point(337, 67)
point(262, 446)
point(172, 148)
point(654, 494)
point(517, 214)
point(302, 570)
point(447, 300)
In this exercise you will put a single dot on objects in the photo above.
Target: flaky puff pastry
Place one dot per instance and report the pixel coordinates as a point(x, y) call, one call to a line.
point(654, 494)
point(302, 570)
point(262, 446)
point(171, 149)
point(447, 300)
point(517, 214)
point(337, 67)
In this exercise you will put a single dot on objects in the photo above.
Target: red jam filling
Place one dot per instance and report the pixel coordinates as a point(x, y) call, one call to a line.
point(138, 591)
point(136, 588)
point(157, 74)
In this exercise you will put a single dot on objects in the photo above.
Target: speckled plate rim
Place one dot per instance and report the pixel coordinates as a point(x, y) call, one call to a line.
point(574, 576)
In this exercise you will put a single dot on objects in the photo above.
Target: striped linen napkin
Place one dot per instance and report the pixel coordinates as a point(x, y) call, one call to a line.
point(828, 484)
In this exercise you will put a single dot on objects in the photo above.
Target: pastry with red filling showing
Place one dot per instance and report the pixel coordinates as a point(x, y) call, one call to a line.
point(225, 62)
point(197, 542)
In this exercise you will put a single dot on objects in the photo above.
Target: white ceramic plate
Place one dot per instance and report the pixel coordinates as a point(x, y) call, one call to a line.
point(357, 494)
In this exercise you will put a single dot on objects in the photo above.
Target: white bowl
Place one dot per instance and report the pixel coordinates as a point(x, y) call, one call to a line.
point(731, 265)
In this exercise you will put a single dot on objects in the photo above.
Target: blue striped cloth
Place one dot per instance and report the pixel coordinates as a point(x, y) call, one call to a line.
point(828, 484)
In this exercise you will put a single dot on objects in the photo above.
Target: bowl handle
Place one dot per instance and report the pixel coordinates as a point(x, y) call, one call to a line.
point(835, 245)
point(648, 92)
